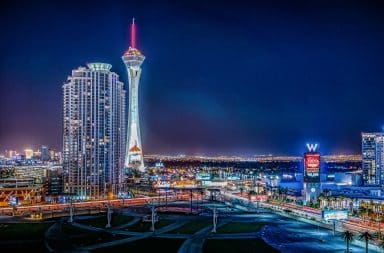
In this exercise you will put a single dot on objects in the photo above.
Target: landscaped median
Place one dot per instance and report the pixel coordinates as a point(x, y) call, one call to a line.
point(101, 221)
point(93, 237)
point(191, 227)
point(79, 237)
point(23, 231)
point(22, 237)
point(146, 226)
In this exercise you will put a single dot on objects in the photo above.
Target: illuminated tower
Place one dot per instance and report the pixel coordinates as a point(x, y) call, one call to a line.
point(93, 132)
point(372, 147)
point(133, 59)
point(312, 169)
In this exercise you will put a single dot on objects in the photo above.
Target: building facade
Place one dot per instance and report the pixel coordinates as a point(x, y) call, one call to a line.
point(311, 174)
point(93, 132)
point(372, 149)
point(45, 154)
point(133, 59)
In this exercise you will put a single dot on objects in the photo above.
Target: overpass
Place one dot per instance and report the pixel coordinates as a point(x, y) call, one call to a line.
point(84, 207)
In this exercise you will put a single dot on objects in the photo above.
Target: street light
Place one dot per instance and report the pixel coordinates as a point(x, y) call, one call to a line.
point(70, 211)
point(109, 215)
point(379, 220)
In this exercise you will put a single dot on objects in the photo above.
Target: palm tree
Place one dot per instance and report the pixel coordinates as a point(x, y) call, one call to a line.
point(366, 236)
point(348, 237)
point(381, 245)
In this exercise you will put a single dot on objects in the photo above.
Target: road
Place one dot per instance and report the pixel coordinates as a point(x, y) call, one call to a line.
point(96, 204)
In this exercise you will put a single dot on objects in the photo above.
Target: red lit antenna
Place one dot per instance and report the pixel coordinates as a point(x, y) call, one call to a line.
point(133, 34)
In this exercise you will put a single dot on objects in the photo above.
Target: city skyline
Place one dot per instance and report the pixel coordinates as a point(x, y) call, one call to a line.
point(317, 78)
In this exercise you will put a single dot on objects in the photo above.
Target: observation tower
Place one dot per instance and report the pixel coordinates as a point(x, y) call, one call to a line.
point(133, 59)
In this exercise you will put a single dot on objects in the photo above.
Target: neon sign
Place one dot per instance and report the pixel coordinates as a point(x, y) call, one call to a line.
point(312, 147)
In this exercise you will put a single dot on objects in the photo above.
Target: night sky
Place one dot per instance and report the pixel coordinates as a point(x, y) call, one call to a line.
point(224, 77)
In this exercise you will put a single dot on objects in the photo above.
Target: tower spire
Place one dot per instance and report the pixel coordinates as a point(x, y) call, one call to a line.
point(133, 59)
point(133, 34)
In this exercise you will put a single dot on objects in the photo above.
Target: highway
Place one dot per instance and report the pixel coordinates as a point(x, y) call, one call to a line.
point(96, 204)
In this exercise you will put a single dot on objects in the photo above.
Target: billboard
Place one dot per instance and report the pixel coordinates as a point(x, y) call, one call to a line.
point(233, 178)
point(210, 183)
point(312, 165)
point(261, 198)
point(14, 200)
point(203, 176)
point(335, 214)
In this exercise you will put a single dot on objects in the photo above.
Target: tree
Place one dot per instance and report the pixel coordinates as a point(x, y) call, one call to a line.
point(348, 237)
point(366, 236)
point(241, 191)
point(382, 245)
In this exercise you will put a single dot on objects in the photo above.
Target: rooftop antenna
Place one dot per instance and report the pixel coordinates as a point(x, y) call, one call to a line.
point(133, 34)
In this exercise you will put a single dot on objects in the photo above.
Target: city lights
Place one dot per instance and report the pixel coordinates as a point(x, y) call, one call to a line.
point(252, 128)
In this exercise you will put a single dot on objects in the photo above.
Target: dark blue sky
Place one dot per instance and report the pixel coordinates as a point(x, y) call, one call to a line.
point(224, 77)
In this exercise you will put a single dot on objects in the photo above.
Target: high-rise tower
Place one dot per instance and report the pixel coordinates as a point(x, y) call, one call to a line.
point(93, 132)
point(133, 59)
point(372, 147)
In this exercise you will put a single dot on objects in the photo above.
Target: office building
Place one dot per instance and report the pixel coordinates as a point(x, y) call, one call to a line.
point(372, 149)
point(45, 154)
point(28, 153)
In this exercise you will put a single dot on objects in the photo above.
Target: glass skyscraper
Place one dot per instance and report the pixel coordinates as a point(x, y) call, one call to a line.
point(372, 146)
point(93, 132)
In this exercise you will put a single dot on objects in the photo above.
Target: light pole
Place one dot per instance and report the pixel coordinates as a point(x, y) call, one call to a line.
point(214, 220)
point(166, 198)
point(109, 216)
point(379, 221)
point(191, 200)
point(153, 217)
point(70, 211)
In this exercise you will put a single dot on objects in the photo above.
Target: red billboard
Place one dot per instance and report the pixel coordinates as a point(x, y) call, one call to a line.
point(312, 164)
point(261, 198)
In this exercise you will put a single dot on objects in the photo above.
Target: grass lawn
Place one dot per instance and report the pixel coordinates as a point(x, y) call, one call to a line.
point(91, 237)
point(82, 237)
point(24, 247)
point(145, 245)
point(237, 245)
point(241, 227)
point(101, 221)
point(70, 230)
point(23, 231)
point(191, 227)
point(146, 226)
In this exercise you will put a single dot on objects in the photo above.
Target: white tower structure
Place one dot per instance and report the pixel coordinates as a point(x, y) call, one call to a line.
point(133, 59)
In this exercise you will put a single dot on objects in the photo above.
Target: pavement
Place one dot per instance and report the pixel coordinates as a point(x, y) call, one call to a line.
point(195, 243)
